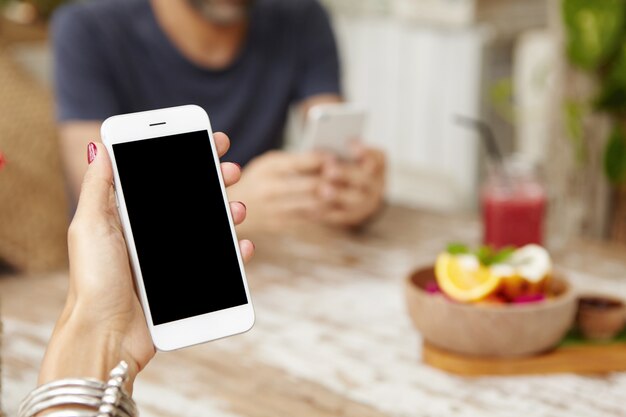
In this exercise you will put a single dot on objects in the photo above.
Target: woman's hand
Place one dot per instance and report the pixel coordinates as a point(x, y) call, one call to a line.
point(103, 322)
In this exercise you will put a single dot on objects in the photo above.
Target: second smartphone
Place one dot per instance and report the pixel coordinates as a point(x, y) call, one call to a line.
point(178, 227)
point(331, 128)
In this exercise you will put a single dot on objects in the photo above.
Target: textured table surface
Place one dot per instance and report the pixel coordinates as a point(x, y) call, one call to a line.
point(332, 337)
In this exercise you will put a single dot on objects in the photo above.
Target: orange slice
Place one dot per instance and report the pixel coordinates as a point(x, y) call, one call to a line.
point(464, 281)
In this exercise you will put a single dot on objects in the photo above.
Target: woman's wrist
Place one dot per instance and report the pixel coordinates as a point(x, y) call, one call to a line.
point(81, 397)
point(82, 348)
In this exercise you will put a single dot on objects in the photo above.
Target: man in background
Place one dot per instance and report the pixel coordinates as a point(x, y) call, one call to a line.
point(246, 62)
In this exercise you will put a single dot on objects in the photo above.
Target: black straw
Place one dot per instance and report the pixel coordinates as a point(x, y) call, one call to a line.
point(489, 139)
point(487, 135)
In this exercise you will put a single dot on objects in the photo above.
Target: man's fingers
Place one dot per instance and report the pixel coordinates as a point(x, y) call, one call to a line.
point(357, 149)
point(347, 197)
point(297, 206)
point(359, 173)
point(222, 143)
point(339, 217)
point(350, 174)
point(294, 187)
point(374, 161)
point(302, 163)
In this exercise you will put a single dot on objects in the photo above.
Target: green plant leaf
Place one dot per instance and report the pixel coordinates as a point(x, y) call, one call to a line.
point(501, 99)
point(574, 112)
point(457, 249)
point(612, 95)
point(615, 157)
point(593, 29)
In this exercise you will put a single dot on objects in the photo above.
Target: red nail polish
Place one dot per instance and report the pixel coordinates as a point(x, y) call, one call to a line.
point(92, 151)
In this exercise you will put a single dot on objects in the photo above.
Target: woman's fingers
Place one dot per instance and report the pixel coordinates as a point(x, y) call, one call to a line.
point(238, 210)
point(231, 173)
point(247, 249)
point(96, 188)
point(222, 143)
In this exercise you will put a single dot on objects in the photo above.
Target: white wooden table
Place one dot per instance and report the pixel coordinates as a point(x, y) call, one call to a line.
point(332, 337)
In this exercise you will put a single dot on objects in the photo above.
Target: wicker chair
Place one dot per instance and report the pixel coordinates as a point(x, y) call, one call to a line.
point(33, 208)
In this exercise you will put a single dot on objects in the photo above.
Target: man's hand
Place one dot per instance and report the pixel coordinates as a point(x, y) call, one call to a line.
point(353, 191)
point(281, 190)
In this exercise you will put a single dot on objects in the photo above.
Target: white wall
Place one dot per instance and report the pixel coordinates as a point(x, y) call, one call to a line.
point(414, 79)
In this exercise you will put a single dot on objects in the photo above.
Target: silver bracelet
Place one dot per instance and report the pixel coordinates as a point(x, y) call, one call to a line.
point(84, 397)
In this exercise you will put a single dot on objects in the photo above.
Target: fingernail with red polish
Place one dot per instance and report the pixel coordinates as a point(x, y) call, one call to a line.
point(92, 151)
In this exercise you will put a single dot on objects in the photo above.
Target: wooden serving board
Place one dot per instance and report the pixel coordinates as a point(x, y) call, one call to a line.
point(568, 358)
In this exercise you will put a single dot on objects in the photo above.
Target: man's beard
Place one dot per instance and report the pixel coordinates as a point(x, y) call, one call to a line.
point(223, 12)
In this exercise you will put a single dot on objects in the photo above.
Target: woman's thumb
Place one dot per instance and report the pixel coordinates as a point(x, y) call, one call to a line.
point(95, 192)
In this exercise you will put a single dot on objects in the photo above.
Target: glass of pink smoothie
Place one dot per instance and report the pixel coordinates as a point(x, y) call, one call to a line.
point(513, 207)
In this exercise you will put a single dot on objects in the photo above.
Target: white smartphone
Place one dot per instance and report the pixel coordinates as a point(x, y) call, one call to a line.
point(178, 227)
point(331, 127)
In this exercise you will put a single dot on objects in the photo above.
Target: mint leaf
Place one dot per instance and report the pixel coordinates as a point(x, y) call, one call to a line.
point(457, 249)
point(489, 256)
point(503, 255)
point(484, 254)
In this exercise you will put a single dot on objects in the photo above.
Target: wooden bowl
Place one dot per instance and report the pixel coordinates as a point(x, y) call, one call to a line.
point(600, 317)
point(490, 330)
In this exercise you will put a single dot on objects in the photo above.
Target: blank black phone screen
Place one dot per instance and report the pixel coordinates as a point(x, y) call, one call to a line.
point(180, 226)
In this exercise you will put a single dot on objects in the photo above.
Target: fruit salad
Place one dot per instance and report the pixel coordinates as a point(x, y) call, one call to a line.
point(484, 275)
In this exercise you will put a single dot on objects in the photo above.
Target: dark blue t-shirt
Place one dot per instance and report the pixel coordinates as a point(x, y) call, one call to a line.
point(112, 57)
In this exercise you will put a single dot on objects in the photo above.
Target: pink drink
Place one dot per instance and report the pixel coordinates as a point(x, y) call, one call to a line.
point(513, 212)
